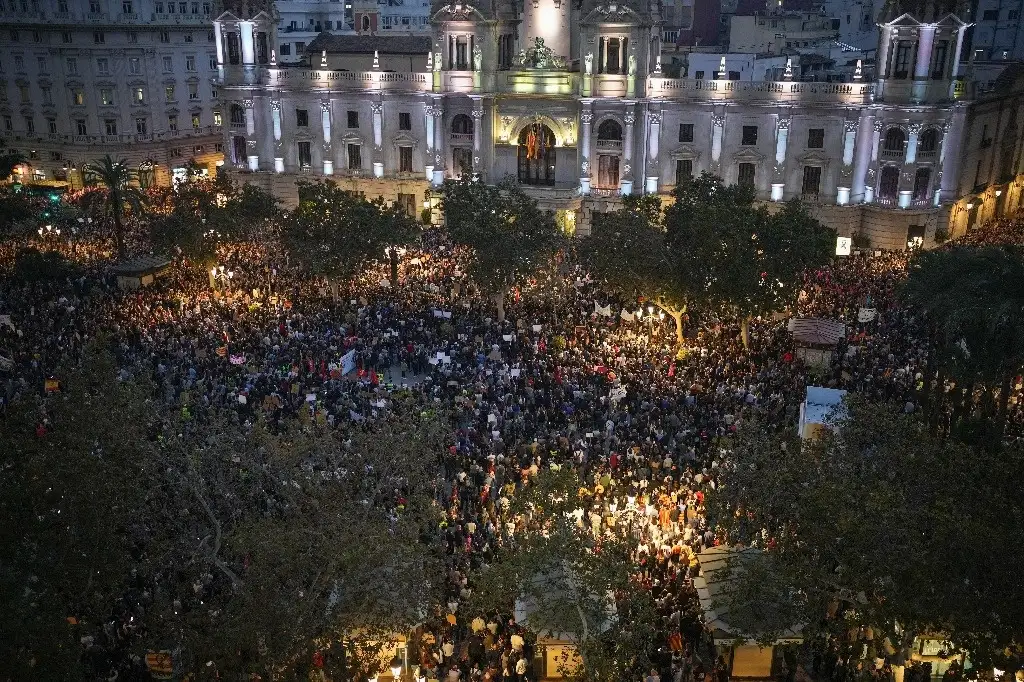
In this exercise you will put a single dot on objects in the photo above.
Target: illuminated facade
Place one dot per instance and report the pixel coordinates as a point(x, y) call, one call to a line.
point(131, 78)
point(570, 99)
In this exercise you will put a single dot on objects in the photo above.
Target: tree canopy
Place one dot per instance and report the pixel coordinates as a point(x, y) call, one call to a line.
point(122, 192)
point(333, 232)
point(511, 238)
point(877, 524)
point(136, 530)
point(975, 308)
point(740, 256)
point(629, 250)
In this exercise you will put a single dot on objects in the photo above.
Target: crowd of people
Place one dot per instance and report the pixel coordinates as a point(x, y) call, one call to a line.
point(645, 424)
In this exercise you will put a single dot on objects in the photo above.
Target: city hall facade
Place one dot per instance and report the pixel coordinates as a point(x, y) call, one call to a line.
point(569, 98)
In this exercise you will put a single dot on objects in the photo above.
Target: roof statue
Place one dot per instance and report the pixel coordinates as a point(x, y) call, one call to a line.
point(540, 56)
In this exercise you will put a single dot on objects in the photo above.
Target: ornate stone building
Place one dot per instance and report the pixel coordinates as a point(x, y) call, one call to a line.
point(569, 98)
point(131, 78)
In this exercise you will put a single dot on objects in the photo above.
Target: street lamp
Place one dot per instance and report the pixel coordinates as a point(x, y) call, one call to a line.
point(396, 667)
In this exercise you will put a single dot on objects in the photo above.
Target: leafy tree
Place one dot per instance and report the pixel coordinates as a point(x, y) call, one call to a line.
point(222, 543)
point(510, 236)
point(741, 256)
point(9, 160)
point(975, 309)
point(70, 498)
point(629, 251)
point(565, 583)
point(878, 523)
point(199, 213)
point(333, 232)
point(122, 192)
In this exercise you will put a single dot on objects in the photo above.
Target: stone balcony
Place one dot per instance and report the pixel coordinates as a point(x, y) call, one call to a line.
point(316, 79)
point(759, 91)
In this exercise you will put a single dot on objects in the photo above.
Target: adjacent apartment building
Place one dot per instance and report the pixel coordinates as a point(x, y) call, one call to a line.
point(132, 78)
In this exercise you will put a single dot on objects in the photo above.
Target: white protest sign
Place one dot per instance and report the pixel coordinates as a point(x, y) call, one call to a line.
point(866, 314)
point(843, 246)
point(348, 362)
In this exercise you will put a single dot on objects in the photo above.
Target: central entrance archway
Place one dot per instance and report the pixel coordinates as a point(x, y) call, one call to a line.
point(536, 155)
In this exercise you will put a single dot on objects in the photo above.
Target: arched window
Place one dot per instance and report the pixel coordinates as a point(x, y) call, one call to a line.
point(894, 139)
point(462, 125)
point(609, 130)
point(237, 116)
point(928, 143)
point(889, 184)
point(366, 22)
point(921, 180)
point(536, 155)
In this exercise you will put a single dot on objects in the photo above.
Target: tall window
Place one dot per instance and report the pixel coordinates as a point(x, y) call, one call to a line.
point(110, 126)
point(404, 120)
point(141, 126)
point(355, 159)
point(462, 160)
point(302, 118)
point(305, 155)
point(536, 155)
point(238, 149)
point(611, 54)
point(407, 202)
point(686, 132)
point(608, 171)
point(939, 60)
point(921, 179)
point(237, 116)
point(816, 138)
point(352, 118)
point(745, 176)
point(901, 60)
point(684, 170)
point(889, 183)
point(812, 181)
point(405, 159)
point(749, 136)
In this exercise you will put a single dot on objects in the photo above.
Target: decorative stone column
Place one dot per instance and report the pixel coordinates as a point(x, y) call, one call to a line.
point(862, 156)
point(325, 121)
point(250, 134)
point(653, 165)
point(377, 110)
point(245, 29)
point(872, 174)
point(955, 72)
point(849, 142)
point(586, 120)
point(952, 134)
point(428, 117)
point(779, 176)
point(717, 128)
point(275, 115)
point(905, 192)
point(925, 39)
point(439, 145)
point(915, 132)
point(478, 118)
point(882, 59)
point(626, 184)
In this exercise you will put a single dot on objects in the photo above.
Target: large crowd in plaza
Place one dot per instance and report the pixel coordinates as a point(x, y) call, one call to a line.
point(555, 384)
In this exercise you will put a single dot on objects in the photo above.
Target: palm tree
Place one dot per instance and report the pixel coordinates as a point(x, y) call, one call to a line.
point(122, 191)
